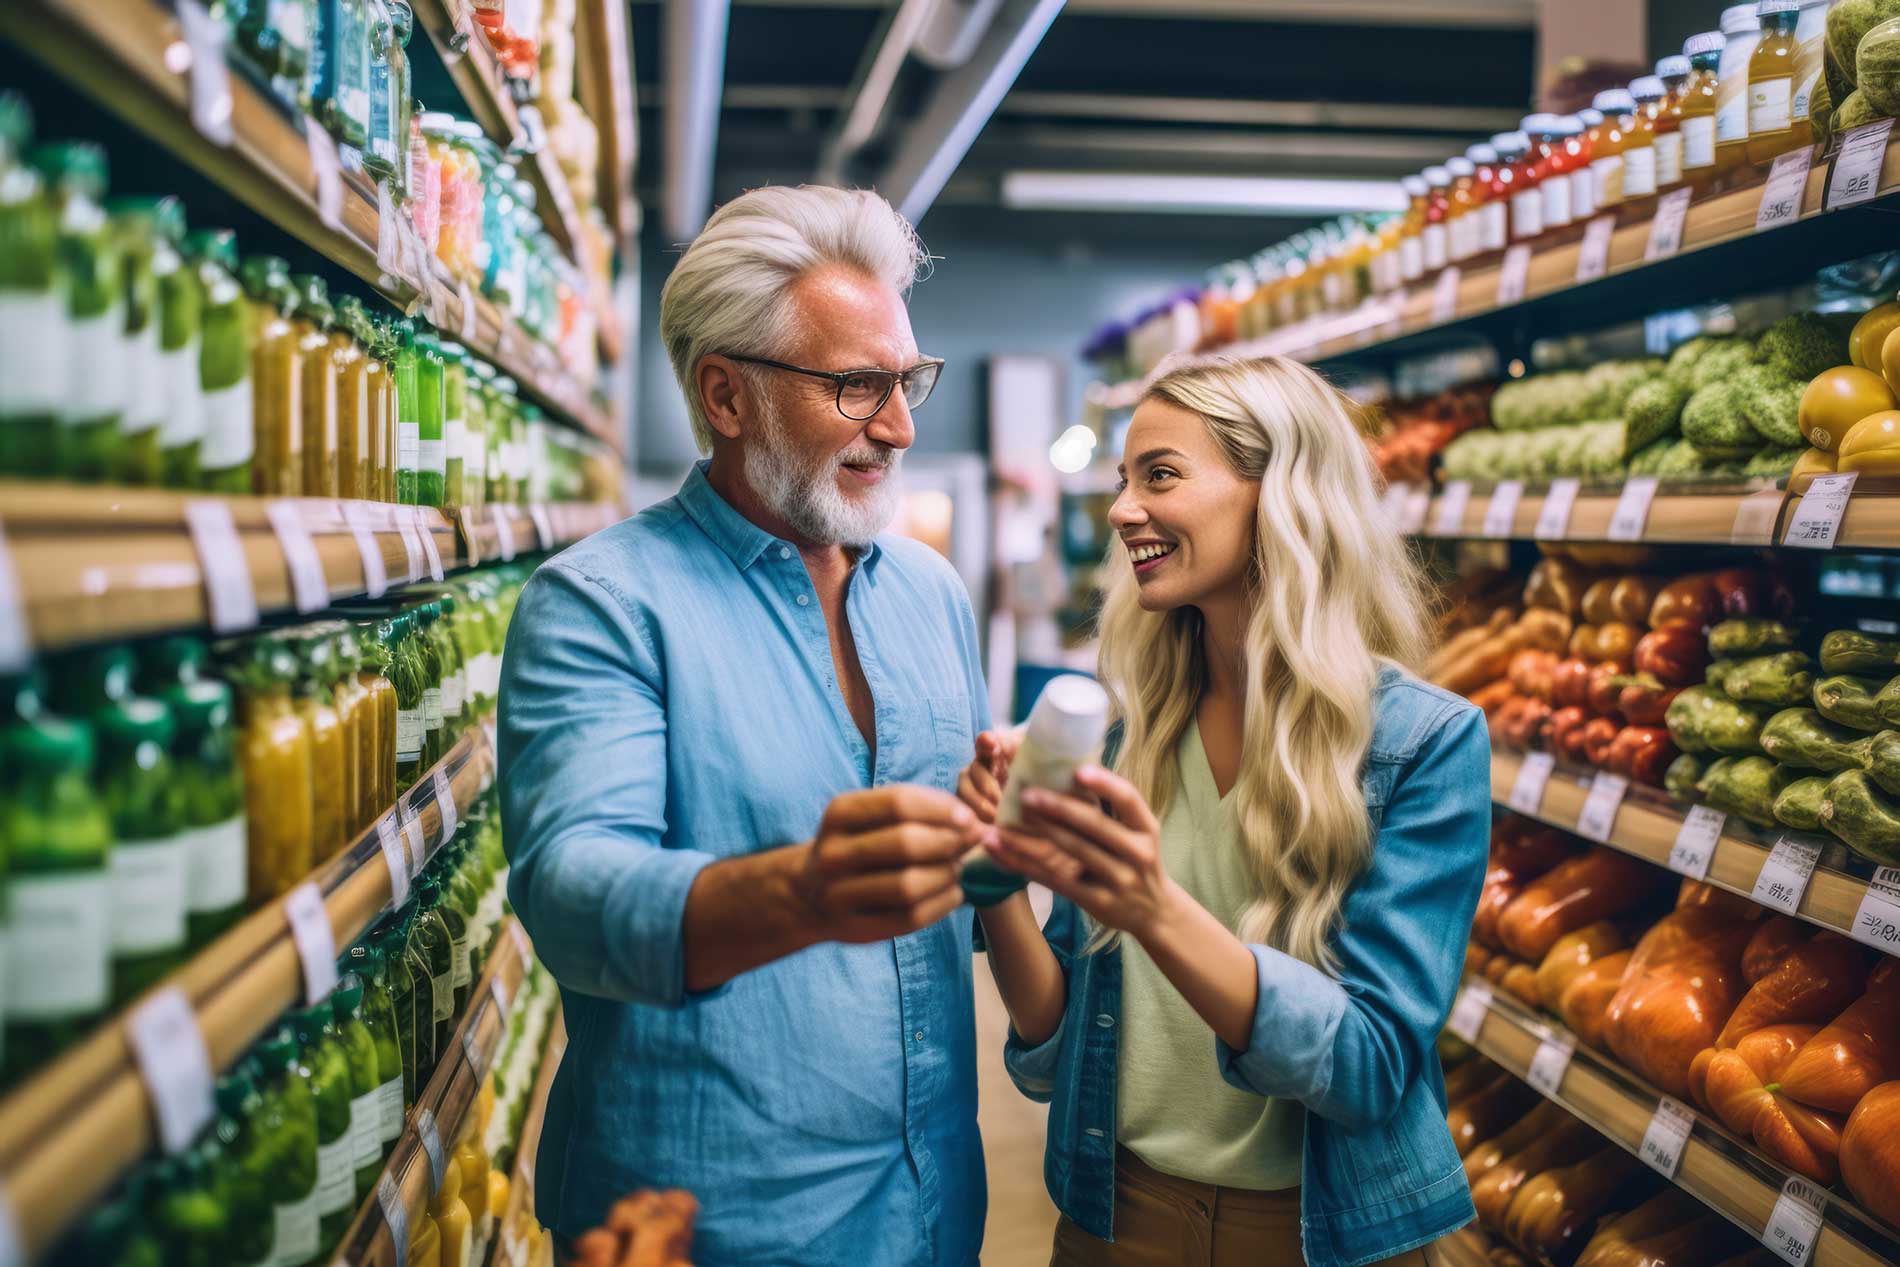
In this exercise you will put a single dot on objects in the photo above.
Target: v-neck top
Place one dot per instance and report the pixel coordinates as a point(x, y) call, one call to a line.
point(1174, 1109)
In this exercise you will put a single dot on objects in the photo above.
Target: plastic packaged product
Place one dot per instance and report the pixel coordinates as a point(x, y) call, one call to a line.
point(1612, 145)
point(212, 788)
point(1742, 30)
point(1434, 237)
point(1666, 117)
point(1877, 66)
point(34, 333)
point(313, 318)
point(93, 261)
point(224, 365)
point(276, 379)
point(134, 221)
point(1411, 241)
point(1519, 175)
point(425, 185)
point(1639, 155)
point(295, 25)
point(381, 145)
point(1771, 121)
point(274, 751)
point(1699, 104)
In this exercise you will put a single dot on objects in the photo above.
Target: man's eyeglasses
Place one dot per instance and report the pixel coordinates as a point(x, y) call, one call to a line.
point(861, 393)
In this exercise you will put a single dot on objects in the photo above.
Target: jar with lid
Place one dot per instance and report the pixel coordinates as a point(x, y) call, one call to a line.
point(134, 221)
point(224, 365)
point(1810, 58)
point(149, 861)
point(1742, 32)
point(1583, 184)
point(373, 675)
point(1434, 244)
point(33, 285)
point(1491, 213)
point(1515, 187)
point(93, 262)
point(1639, 155)
point(1411, 240)
point(1613, 142)
point(1461, 219)
point(313, 318)
point(205, 761)
point(1699, 106)
point(357, 714)
point(1667, 118)
point(276, 378)
point(329, 763)
point(274, 752)
point(1772, 127)
point(1552, 169)
point(360, 388)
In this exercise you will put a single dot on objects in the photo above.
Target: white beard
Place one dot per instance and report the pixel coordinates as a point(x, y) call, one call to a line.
point(807, 496)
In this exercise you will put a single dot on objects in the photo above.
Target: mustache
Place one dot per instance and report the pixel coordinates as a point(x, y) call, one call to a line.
point(875, 455)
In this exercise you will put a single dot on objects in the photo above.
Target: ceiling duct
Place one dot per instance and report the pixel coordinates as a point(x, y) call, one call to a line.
point(951, 31)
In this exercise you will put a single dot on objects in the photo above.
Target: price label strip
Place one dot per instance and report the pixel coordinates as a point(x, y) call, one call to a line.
point(415, 840)
point(1667, 1135)
point(1514, 274)
point(1786, 190)
point(210, 94)
point(375, 571)
point(395, 857)
point(1551, 1062)
point(1816, 522)
point(1553, 518)
point(230, 599)
point(1598, 816)
point(1468, 1012)
point(1593, 260)
point(1665, 229)
point(1755, 519)
point(1527, 789)
point(1445, 296)
point(395, 1214)
point(1784, 875)
point(1695, 842)
point(1500, 513)
point(171, 1055)
point(1877, 922)
point(429, 551)
point(432, 1146)
point(1632, 508)
point(445, 805)
point(544, 527)
point(498, 990)
point(1448, 519)
point(315, 940)
point(16, 644)
point(472, 1049)
point(504, 532)
point(1795, 1221)
point(329, 173)
point(309, 587)
point(1855, 176)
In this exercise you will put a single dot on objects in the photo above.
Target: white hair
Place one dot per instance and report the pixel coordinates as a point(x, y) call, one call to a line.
point(727, 295)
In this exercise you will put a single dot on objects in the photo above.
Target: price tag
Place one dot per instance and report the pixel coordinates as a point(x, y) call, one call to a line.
point(389, 1197)
point(1467, 1014)
point(388, 233)
point(1418, 500)
point(1514, 274)
point(415, 840)
point(1816, 522)
point(230, 600)
point(1856, 174)
point(1784, 875)
point(1755, 519)
point(395, 857)
point(1527, 790)
point(316, 941)
point(445, 804)
point(1500, 515)
point(329, 173)
point(1598, 815)
point(467, 516)
point(504, 532)
point(1665, 229)
point(411, 537)
point(428, 546)
point(1448, 520)
point(1553, 518)
point(16, 646)
point(1551, 1062)
point(498, 991)
point(375, 573)
point(472, 1049)
point(1445, 296)
point(1695, 842)
point(170, 1050)
point(1877, 922)
point(309, 588)
point(432, 1146)
point(210, 77)
point(1593, 261)
point(1795, 1221)
point(544, 527)
point(1667, 1134)
point(1632, 508)
point(1786, 190)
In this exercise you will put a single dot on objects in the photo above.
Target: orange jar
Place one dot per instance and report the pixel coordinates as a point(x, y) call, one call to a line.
point(1435, 237)
point(1639, 154)
point(1411, 245)
point(1772, 127)
point(1699, 98)
point(1618, 107)
point(1461, 219)
point(1550, 162)
point(1517, 173)
point(1493, 212)
point(1583, 179)
point(1667, 117)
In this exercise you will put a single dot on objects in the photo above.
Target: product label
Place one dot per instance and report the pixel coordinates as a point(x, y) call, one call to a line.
point(1816, 523)
point(1551, 1062)
point(366, 1130)
point(1795, 1222)
point(443, 987)
point(228, 437)
point(409, 734)
point(215, 866)
point(1527, 215)
point(93, 391)
point(144, 392)
point(1731, 90)
point(1556, 195)
point(1411, 268)
point(1668, 159)
point(1583, 193)
point(432, 708)
point(455, 446)
point(296, 1224)
point(1527, 789)
point(1609, 180)
point(1803, 94)
point(314, 938)
point(1463, 236)
point(1668, 1133)
point(1877, 919)
point(1696, 839)
point(183, 418)
point(1468, 1011)
point(1698, 142)
point(389, 1101)
point(1632, 508)
point(1770, 106)
point(1785, 873)
point(1639, 172)
point(1494, 226)
point(408, 446)
point(148, 895)
point(59, 940)
point(453, 694)
point(34, 339)
point(1598, 815)
point(336, 1174)
point(430, 457)
point(1436, 247)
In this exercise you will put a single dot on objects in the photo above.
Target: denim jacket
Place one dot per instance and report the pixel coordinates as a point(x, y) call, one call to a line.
point(1380, 1172)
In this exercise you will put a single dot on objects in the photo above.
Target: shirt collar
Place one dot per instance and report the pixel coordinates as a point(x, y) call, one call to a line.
point(742, 540)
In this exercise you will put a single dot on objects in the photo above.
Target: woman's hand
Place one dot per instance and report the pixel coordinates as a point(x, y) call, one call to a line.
point(981, 783)
point(1108, 866)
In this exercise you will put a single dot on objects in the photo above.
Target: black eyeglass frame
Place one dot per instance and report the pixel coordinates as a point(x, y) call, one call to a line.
point(838, 378)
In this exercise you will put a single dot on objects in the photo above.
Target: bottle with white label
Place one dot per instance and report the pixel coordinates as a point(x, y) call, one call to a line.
point(181, 421)
point(1583, 180)
point(1435, 237)
point(1772, 127)
point(430, 655)
point(370, 962)
point(330, 759)
point(287, 1122)
point(1640, 166)
point(1674, 73)
point(1699, 104)
point(276, 378)
point(431, 408)
point(454, 424)
point(243, 1167)
point(1612, 144)
point(224, 366)
point(326, 1067)
point(149, 862)
point(1493, 211)
point(318, 443)
point(211, 785)
point(408, 412)
point(406, 675)
point(92, 399)
point(1517, 184)
point(33, 324)
point(1411, 241)
point(358, 713)
point(433, 939)
point(1742, 31)
point(359, 1053)
point(135, 222)
point(456, 919)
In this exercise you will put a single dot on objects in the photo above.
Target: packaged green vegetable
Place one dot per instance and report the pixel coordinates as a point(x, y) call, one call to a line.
point(1652, 412)
point(1851, 651)
point(1849, 701)
point(1855, 112)
point(1801, 345)
point(1713, 422)
point(1859, 813)
point(1877, 66)
point(1798, 805)
point(1848, 22)
point(1802, 737)
point(1770, 402)
point(1732, 638)
point(1782, 678)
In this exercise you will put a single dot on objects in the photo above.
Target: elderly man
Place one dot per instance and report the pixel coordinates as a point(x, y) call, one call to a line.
point(728, 730)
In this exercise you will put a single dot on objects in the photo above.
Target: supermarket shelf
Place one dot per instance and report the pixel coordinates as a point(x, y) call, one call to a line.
point(1738, 513)
point(69, 1132)
point(1646, 827)
point(450, 1096)
point(536, 527)
point(521, 1182)
point(603, 82)
point(1716, 1168)
point(97, 562)
point(122, 53)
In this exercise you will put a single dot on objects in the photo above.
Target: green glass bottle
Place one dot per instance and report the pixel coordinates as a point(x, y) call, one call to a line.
point(454, 424)
point(370, 962)
point(417, 954)
point(149, 861)
point(224, 365)
point(405, 674)
point(430, 409)
point(326, 1066)
point(428, 647)
point(93, 261)
point(181, 302)
point(187, 1210)
point(408, 415)
point(212, 787)
point(286, 1122)
point(400, 970)
point(359, 1052)
point(135, 224)
point(455, 919)
point(438, 946)
point(242, 1171)
point(33, 305)
point(117, 1233)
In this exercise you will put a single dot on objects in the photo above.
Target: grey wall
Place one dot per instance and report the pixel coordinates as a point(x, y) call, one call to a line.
point(1005, 284)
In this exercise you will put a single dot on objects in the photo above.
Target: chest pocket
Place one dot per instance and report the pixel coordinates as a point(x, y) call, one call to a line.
point(951, 742)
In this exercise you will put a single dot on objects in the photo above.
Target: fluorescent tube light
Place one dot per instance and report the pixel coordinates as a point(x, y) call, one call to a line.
point(1116, 191)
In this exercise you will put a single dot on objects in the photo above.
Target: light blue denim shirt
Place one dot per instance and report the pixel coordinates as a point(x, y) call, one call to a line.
point(668, 699)
point(1379, 1172)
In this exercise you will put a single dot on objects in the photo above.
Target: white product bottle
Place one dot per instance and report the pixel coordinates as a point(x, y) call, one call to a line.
point(1065, 732)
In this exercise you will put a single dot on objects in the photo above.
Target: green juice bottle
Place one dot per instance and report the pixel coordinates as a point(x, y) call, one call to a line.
point(371, 964)
point(212, 786)
point(359, 1051)
point(286, 1123)
point(93, 260)
point(408, 415)
point(187, 1209)
point(417, 955)
point(401, 976)
point(149, 861)
point(326, 1067)
point(181, 300)
point(224, 365)
point(454, 424)
point(462, 892)
point(134, 222)
point(405, 674)
point(242, 1172)
point(427, 644)
point(117, 1233)
point(33, 325)
point(437, 945)
point(455, 919)
point(431, 469)
point(457, 715)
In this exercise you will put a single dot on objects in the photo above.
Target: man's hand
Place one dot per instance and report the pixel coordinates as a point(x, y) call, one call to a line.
point(885, 863)
point(981, 784)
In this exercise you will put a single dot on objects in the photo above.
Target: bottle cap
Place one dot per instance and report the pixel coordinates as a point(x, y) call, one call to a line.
point(1070, 717)
point(1537, 124)
point(1511, 143)
point(1482, 154)
point(1615, 101)
point(1706, 42)
point(1591, 116)
point(1769, 8)
point(49, 746)
point(1647, 88)
point(1738, 19)
point(200, 707)
point(1460, 166)
point(1437, 177)
point(1567, 125)
point(1675, 66)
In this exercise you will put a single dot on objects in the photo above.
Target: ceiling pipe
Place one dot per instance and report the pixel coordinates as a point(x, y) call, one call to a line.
point(961, 104)
point(695, 43)
point(872, 93)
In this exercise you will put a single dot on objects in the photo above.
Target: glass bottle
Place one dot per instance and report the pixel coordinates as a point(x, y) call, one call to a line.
point(354, 451)
point(387, 348)
point(188, 1209)
point(475, 436)
point(1732, 106)
point(287, 1122)
point(93, 401)
point(339, 70)
point(134, 223)
point(1434, 236)
point(224, 365)
point(1583, 179)
point(379, 153)
point(408, 415)
point(454, 423)
point(427, 642)
point(1772, 128)
point(405, 674)
point(431, 465)
point(1612, 146)
point(348, 698)
point(400, 968)
point(312, 316)
point(1810, 55)
point(34, 332)
point(359, 1054)
point(375, 457)
point(149, 862)
point(373, 675)
point(181, 302)
point(419, 940)
point(438, 946)
point(275, 753)
point(1494, 206)
point(458, 711)
point(242, 1169)
point(1520, 173)
point(1699, 102)
point(1411, 242)
point(206, 766)
point(327, 1068)
point(1553, 169)
point(276, 378)
point(1667, 120)
point(317, 707)
point(456, 920)
point(471, 1160)
point(1639, 153)
point(369, 961)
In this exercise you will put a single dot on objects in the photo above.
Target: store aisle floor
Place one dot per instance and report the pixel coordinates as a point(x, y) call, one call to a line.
point(1021, 1220)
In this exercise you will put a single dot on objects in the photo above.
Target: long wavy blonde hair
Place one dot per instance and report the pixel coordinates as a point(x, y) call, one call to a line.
point(1333, 595)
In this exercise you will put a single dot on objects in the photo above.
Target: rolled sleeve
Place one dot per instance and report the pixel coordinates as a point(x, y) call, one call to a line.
point(1295, 1024)
point(1033, 1069)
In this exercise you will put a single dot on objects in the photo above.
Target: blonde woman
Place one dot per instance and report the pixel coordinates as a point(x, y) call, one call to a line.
point(1262, 911)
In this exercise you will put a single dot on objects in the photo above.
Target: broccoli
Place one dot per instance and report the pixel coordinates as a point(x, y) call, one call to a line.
point(1801, 345)
point(1774, 461)
point(1721, 361)
point(1771, 403)
point(1712, 421)
point(1653, 411)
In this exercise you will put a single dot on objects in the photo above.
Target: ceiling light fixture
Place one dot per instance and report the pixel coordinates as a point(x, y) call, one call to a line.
point(1212, 195)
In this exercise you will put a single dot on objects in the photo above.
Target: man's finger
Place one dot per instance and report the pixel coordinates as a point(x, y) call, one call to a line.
point(893, 848)
point(898, 803)
point(891, 890)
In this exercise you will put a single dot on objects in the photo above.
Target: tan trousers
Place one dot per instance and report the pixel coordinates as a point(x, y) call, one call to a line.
point(1162, 1221)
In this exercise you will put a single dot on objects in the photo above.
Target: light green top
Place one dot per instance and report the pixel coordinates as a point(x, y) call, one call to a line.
point(1174, 1110)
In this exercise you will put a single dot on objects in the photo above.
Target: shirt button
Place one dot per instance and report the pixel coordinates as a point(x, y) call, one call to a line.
point(920, 1036)
point(784, 552)
point(804, 600)
point(1104, 1019)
